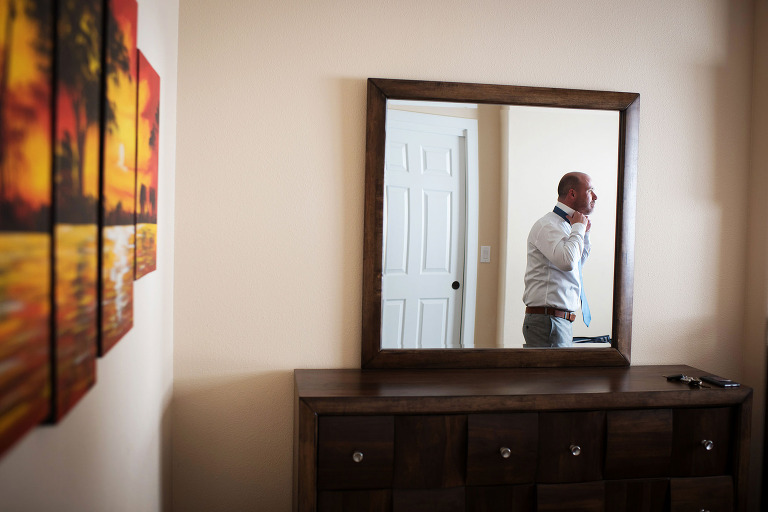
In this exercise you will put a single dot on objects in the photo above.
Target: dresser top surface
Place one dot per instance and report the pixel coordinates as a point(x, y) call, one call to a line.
point(537, 383)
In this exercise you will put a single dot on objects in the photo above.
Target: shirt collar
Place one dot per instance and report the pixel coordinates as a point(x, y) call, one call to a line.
point(566, 209)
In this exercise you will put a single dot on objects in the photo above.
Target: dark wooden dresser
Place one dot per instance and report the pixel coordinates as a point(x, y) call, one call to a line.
point(555, 439)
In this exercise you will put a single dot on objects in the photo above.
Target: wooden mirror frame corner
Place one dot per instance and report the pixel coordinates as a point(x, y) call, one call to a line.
point(625, 103)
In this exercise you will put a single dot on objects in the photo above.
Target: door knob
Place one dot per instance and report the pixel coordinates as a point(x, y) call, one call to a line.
point(455, 285)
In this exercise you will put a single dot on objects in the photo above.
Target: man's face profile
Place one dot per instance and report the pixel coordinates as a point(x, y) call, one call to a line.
point(585, 196)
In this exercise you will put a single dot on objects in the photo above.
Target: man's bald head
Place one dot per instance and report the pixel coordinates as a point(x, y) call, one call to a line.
point(572, 180)
point(575, 190)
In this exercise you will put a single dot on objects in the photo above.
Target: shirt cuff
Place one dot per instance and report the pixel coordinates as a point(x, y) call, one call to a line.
point(579, 228)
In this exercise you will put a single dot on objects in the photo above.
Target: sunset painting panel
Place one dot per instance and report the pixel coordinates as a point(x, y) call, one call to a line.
point(146, 167)
point(118, 173)
point(25, 201)
point(76, 186)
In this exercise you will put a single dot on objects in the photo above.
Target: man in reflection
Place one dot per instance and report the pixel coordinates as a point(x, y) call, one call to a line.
point(558, 245)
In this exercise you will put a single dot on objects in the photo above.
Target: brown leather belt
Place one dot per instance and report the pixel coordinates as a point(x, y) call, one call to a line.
point(559, 313)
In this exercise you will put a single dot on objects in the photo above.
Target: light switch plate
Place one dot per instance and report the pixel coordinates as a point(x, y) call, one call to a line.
point(485, 254)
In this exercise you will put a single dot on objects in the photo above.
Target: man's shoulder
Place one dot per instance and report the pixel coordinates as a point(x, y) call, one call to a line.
point(546, 223)
point(548, 218)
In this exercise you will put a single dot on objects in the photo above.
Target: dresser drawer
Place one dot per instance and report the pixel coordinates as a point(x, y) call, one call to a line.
point(379, 500)
point(638, 443)
point(430, 451)
point(713, 494)
point(702, 441)
point(571, 446)
point(501, 498)
point(501, 448)
point(582, 497)
point(644, 495)
point(434, 500)
point(355, 452)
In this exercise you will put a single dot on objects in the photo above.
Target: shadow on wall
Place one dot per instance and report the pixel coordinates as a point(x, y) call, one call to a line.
point(232, 442)
point(166, 459)
point(744, 332)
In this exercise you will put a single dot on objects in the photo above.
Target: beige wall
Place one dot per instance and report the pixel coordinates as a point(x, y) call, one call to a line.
point(271, 152)
point(489, 212)
point(112, 451)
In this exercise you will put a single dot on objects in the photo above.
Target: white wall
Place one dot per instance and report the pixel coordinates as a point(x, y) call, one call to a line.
point(112, 451)
point(272, 142)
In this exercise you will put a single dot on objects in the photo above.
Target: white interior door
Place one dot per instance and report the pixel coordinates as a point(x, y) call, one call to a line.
point(424, 237)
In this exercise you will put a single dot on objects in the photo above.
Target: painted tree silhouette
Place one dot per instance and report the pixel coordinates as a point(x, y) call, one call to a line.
point(118, 64)
point(143, 198)
point(153, 202)
point(79, 69)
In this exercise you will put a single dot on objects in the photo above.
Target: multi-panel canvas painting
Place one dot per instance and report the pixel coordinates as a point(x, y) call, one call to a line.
point(118, 174)
point(77, 121)
point(76, 210)
point(148, 128)
point(26, 49)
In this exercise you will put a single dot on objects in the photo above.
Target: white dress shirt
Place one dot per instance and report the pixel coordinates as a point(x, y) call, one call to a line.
point(552, 271)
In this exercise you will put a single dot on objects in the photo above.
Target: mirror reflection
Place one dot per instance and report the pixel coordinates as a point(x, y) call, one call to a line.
point(463, 186)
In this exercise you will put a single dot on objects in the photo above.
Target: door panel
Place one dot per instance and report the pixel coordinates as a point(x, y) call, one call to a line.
point(437, 225)
point(433, 322)
point(396, 249)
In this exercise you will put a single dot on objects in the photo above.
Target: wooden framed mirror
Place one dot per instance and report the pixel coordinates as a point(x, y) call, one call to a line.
point(618, 111)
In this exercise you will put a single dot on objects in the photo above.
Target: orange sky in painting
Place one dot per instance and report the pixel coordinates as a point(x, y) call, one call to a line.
point(149, 100)
point(120, 143)
point(28, 156)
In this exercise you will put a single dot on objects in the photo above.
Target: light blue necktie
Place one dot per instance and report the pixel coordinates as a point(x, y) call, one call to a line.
point(584, 304)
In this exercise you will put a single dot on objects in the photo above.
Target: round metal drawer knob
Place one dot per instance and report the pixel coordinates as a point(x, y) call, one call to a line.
point(505, 452)
point(703, 510)
point(708, 445)
point(357, 456)
point(575, 450)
